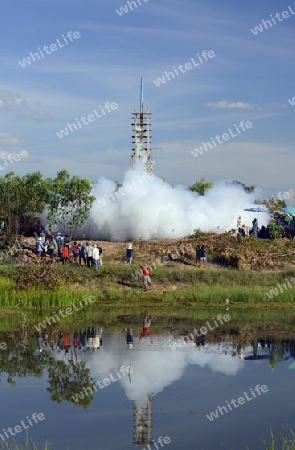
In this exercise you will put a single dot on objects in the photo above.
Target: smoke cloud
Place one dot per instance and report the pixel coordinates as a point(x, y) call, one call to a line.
point(146, 207)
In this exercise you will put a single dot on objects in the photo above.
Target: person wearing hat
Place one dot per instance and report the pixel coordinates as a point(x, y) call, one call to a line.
point(129, 254)
point(239, 226)
point(129, 337)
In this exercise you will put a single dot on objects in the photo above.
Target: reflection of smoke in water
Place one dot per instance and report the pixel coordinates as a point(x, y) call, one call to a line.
point(153, 370)
point(147, 208)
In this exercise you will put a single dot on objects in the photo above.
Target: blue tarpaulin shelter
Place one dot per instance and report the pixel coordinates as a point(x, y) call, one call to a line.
point(290, 210)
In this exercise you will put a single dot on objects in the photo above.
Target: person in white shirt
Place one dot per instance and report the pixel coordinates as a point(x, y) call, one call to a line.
point(95, 256)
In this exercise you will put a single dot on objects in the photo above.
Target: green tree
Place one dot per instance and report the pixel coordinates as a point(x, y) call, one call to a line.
point(276, 356)
point(201, 186)
point(118, 185)
point(247, 188)
point(273, 204)
point(70, 201)
point(19, 195)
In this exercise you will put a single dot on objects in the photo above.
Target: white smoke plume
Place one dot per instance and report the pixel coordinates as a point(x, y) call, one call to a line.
point(145, 207)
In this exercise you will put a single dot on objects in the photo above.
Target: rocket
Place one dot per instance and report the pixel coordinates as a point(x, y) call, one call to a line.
point(141, 96)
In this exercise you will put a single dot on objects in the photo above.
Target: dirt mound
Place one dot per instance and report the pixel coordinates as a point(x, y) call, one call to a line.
point(45, 276)
point(221, 250)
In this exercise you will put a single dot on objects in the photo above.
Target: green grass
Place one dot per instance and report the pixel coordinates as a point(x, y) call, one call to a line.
point(284, 442)
point(173, 287)
point(25, 445)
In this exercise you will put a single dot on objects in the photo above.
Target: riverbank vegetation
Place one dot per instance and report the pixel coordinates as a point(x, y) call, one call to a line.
point(283, 442)
point(119, 285)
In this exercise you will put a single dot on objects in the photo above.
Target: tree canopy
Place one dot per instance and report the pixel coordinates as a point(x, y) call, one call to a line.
point(68, 199)
point(248, 188)
point(201, 186)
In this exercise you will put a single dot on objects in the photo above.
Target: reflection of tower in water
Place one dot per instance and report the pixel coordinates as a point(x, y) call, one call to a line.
point(143, 423)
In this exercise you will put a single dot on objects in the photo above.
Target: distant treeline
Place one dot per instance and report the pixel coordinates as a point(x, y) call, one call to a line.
point(67, 199)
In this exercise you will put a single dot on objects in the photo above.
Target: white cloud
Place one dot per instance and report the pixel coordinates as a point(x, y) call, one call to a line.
point(10, 100)
point(7, 139)
point(24, 154)
point(28, 114)
point(3, 154)
point(230, 105)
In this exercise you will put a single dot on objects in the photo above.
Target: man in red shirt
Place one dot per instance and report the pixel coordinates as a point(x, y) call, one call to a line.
point(146, 280)
point(146, 323)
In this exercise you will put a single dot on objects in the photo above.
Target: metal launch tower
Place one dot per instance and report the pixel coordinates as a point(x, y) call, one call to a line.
point(141, 128)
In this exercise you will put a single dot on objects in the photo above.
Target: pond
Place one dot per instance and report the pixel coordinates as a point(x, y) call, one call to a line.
point(83, 387)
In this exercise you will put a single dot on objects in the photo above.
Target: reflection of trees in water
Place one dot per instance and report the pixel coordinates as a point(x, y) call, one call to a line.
point(18, 360)
point(67, 379)
point(274, 346)
point(21, 359)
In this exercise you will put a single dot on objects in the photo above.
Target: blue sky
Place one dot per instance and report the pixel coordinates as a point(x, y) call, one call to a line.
point(250, 78)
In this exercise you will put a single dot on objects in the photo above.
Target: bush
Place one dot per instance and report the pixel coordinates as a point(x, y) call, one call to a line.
point(275, 231)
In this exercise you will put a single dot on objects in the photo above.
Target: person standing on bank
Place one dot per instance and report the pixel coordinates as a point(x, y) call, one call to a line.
point(52, 245)
point(89, 254)
point(146, 280)
point(198, 255)
point(203, 256)
point(39, 248)
point(100, 254)
point(129, 254)
point(82, 254)
point(95, 256)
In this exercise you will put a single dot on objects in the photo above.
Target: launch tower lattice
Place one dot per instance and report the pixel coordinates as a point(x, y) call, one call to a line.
point(141, 135)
